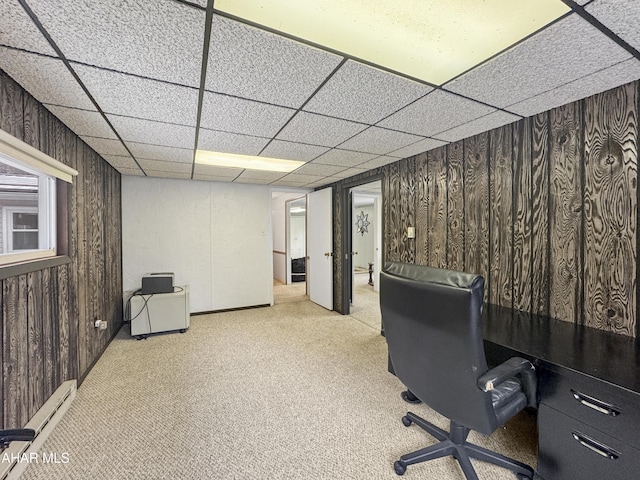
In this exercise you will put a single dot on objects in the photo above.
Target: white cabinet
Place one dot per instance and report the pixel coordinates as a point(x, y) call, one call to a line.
point(160, 312)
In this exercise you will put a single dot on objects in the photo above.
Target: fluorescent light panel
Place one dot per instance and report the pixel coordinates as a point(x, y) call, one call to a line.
point(433, 41)
point(250, 162)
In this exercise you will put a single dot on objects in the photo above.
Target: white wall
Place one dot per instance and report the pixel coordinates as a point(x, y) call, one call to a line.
point(215, 237)
point(363, 244)
point(298, 227)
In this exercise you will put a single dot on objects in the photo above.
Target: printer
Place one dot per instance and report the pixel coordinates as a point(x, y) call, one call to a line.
point(157, 283)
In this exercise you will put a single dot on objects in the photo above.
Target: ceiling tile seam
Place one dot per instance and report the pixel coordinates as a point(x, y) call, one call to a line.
point(189, 4)
point(146, 119)
point(237, 133)
point(66, 62)
point(299, 109)
point(130, 74)
point(513, 45)
point(24, 50)
point(470, 121)
point(321, 47)
point(567, 83)
point(582, 12)
point(377, 153)
point(203, 77)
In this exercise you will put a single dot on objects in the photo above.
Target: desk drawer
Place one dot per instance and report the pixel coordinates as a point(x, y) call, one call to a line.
point(569, 450)
point(610, 409)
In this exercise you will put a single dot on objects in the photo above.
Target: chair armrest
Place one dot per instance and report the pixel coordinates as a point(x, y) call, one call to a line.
point(512, 367)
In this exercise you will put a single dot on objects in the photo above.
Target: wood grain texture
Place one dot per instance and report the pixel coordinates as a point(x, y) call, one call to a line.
point(565, 213)
point(35, 342)
point(11, 107)
point(41, 311)
point(437, 207)
point(476, 205)
point(610, 200)
point(338, 252)
point(393, 213)
point(423, 219)
point(455, 206)
point(407, 210)
point(522, 215)
point(15, 355)
point(500, 216)
point(540, 214)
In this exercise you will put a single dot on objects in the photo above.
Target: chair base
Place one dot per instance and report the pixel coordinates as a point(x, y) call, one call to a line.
point(455, 443)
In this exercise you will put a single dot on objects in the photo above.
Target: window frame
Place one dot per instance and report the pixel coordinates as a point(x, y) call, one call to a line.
point(56, 195)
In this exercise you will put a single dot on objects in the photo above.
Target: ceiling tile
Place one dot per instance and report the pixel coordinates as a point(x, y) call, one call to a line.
point(254, 181)
point(416, 148)
point(344, 158)
point(83, 122)
point(106, 146)
point(606, 79)
point(158, 152)
point(210, 170)
point(216, 141)
point(261, 175)
point(18, 30)
point(154, 133)
point(479, 125)
point(120, 161)
point(323, 182)
point(163, 42)
point(287, 183)
point(292, 151)
point(131, 171)
point(132, 96)
point(379, 140)
point(350, 172)
point(159, 166)
point(313, 168)
point(621, 19)
point(163, 174)
point(319, 130)
point(236, 115)
point(434, 113)
point(47, 79)
point(253, 63)
point(378, 162)
point(565, 51)
point(302, 179)
point(364, 94)
point(212, 178)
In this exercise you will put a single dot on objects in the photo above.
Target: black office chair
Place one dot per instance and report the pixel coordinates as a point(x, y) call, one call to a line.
point(432, 322)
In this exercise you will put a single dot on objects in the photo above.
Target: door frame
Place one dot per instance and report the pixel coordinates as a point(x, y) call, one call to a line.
point(346, 220)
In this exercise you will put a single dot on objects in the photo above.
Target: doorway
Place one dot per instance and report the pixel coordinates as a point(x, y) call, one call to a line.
point(288, 210)
point(365, 228)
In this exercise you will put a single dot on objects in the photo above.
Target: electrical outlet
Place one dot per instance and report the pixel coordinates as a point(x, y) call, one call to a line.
point(103, 324)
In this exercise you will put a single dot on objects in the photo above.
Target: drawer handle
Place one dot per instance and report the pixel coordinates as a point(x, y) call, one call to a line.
point(596, 404)
point(594, 446)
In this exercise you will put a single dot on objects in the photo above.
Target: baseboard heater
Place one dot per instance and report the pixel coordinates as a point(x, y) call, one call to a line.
point(43, 422)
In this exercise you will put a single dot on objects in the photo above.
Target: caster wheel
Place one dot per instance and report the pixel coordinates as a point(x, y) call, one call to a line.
point(523, 477)
point(406, 421)
point(182, 330)
point(409, 397)
point(399, 467)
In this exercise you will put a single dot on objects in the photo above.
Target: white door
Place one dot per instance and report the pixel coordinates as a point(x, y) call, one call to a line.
point(320, 247)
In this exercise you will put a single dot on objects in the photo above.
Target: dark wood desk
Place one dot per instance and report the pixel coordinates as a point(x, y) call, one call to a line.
point(589, 389)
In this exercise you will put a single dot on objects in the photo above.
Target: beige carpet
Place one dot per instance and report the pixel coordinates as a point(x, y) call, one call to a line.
point(291, 391)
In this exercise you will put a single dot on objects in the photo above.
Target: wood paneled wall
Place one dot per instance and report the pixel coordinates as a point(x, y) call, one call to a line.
point(48, 315)
point(546, 209)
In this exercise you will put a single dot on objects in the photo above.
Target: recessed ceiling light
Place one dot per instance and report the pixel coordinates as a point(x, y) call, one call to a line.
point(432, 41)
point(232, 160)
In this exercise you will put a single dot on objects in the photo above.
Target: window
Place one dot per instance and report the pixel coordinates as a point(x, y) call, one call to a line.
point(28, 180)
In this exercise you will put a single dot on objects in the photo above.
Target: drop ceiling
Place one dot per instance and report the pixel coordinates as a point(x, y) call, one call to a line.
point(145, 86)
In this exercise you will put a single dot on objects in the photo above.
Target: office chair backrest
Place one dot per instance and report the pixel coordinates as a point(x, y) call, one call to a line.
point(432, 323)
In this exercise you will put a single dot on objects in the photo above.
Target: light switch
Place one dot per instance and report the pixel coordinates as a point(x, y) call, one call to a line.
point(411, 232)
